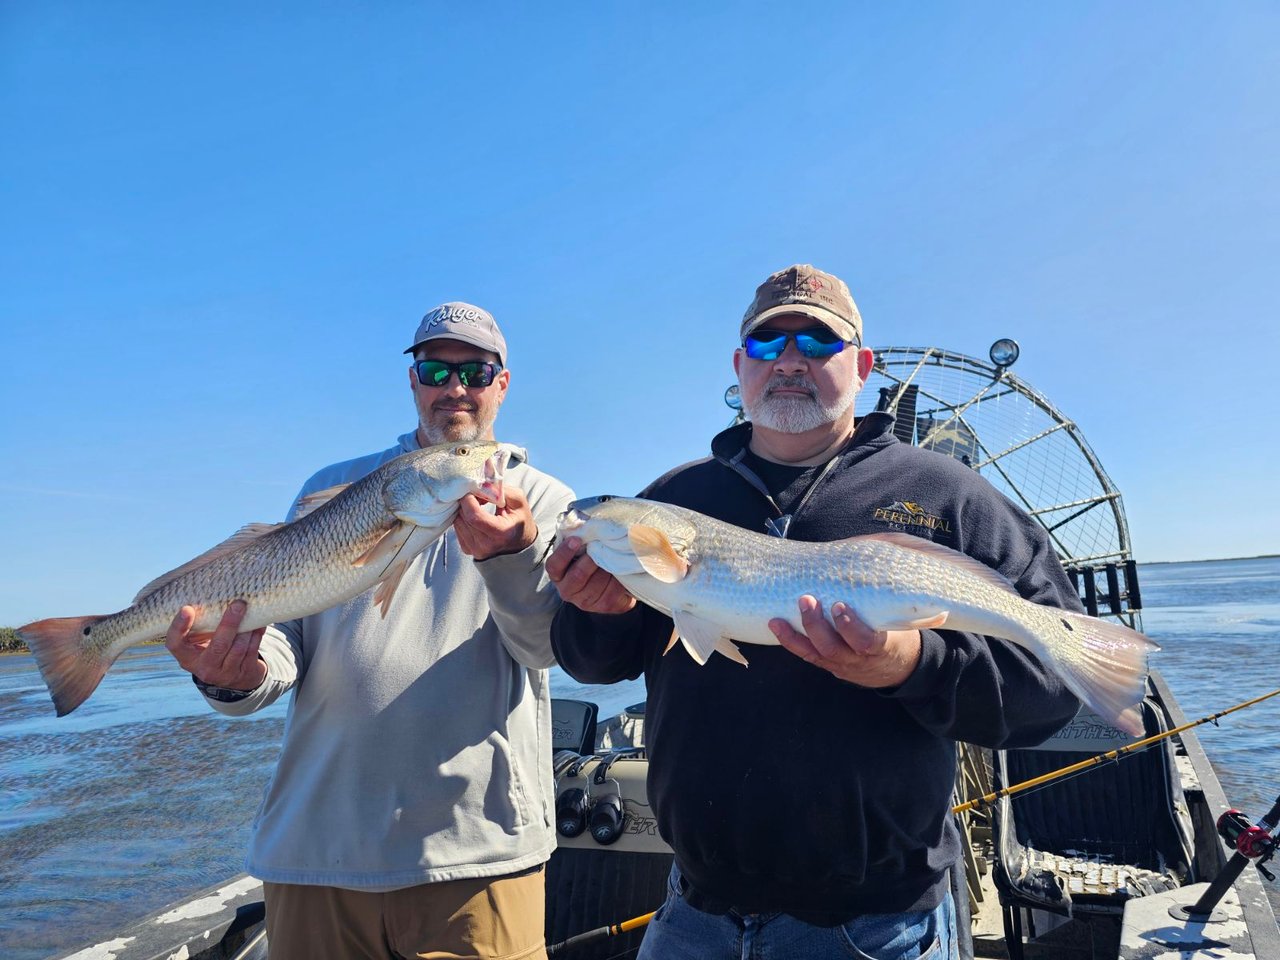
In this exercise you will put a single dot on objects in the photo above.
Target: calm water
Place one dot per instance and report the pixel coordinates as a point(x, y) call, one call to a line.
point(143, 795)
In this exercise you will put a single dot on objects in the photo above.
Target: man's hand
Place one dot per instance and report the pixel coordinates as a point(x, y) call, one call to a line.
point(584, 584)
point(851, 650)
point(224, 658)
point(509, 529)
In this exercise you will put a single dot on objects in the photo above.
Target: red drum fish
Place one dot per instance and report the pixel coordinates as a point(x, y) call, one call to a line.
point(342, 542)
point(721, 583)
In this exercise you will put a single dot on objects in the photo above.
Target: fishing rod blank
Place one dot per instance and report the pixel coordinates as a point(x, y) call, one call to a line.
point(1101, 758)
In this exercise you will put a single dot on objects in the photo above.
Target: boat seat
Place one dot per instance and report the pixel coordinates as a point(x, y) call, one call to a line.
point(624, 731)
point(1083, 845)
point(573, 725)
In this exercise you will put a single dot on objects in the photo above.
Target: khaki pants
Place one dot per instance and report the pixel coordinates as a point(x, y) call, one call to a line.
point(490, 918)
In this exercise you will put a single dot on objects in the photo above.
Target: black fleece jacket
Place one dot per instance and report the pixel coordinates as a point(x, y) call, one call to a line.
point(782, 788)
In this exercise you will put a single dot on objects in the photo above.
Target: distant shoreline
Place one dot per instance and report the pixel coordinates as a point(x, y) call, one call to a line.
point(1165, 563)
point(11, 644)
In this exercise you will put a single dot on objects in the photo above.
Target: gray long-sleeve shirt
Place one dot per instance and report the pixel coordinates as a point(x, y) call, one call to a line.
point(417, 747)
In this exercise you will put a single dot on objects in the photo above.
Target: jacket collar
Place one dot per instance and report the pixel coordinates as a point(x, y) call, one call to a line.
point(730, 446)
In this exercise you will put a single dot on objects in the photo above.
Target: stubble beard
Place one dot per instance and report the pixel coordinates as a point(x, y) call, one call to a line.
point(440, 426)
point(792, 413)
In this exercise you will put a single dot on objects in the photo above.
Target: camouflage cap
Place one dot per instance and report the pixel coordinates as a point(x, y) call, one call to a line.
point(462, 321)
point(806, 290)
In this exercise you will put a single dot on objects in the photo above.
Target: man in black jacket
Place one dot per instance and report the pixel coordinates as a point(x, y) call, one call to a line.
point(807, 797)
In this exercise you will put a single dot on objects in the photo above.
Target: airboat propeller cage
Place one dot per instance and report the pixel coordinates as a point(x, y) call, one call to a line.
point(987, 418)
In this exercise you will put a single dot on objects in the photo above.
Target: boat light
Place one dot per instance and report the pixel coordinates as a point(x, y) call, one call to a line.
point(1004, 352)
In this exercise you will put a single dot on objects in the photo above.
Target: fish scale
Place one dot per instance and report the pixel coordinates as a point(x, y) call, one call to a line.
point(868, 577)
point(269, 571)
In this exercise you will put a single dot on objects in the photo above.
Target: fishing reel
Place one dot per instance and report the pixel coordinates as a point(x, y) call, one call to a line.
point(1250, 840)
point(1251, 843)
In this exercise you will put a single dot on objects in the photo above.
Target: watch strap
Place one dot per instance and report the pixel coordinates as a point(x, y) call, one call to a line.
point(221, 694)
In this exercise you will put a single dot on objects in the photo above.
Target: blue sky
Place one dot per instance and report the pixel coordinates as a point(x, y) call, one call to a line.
point(222, 223)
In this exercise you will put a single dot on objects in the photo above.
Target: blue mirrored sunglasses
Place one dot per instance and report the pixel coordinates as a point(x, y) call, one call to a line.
point(471, 373)
point(814, 343)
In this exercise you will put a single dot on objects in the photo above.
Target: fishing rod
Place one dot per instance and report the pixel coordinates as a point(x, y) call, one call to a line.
point(614, 929)
point(1101, 758)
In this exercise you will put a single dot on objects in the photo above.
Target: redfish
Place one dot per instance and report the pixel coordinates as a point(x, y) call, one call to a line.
point(342, 542)
point(720, 583)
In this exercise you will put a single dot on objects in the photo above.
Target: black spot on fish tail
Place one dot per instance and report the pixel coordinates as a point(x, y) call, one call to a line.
point(1067, 624)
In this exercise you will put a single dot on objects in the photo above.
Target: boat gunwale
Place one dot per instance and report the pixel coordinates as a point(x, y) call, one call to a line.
point(1259, 918)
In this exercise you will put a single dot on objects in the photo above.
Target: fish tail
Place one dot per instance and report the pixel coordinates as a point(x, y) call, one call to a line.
point(1110, 671)
point(71, 669)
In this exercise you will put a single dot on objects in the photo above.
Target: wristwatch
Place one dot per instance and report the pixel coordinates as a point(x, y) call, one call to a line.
point(221, 694)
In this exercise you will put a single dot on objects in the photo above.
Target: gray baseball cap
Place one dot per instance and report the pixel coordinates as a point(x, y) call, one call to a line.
point(806, 290)
point(462, 321)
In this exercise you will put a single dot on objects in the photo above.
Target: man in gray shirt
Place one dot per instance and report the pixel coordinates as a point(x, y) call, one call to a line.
point(411, 811)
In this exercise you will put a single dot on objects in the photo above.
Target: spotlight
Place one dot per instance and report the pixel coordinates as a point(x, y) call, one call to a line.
point(1004, 353)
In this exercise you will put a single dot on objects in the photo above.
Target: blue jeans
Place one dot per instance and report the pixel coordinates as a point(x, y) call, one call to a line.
point(681, 932)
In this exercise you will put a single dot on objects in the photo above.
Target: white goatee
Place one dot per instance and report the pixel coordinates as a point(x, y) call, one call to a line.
point(792, 413)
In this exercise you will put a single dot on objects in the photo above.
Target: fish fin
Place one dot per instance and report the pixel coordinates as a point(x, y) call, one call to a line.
point(908, 541)
point(440, 514)
point(924, 623)
point(614, 558)
point(246, 534)
point(675, 638)
point(727, 648)
point(703, 638)
point(1130, 721)
point(387, 586)
point(70, 671)
point(656, 554)
point(1109, 669)
point(388, 545)
point(314, 501)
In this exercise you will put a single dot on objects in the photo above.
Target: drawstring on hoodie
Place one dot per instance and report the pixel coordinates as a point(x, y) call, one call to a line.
point(780, 525)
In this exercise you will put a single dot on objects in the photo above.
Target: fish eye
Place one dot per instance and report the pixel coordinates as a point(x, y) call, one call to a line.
point(461, 451)
point(606, 498)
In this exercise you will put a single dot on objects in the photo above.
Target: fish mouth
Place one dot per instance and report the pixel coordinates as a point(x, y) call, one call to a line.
point(491, 487)
point(566, 523)
point(571, 520)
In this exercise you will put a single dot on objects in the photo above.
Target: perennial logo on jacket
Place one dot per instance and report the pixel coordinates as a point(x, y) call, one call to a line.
point(902, 514)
